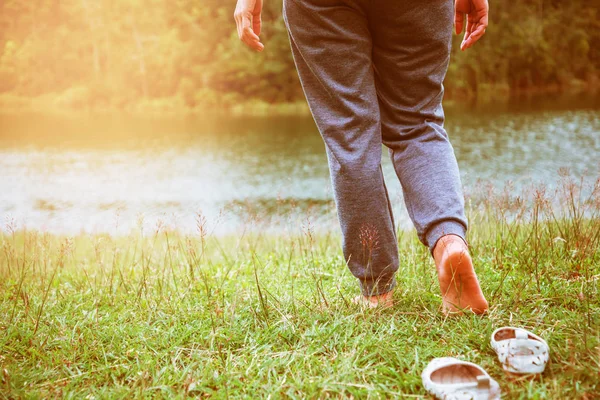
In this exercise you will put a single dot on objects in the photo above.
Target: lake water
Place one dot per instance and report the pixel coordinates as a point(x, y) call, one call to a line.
point(72, 175)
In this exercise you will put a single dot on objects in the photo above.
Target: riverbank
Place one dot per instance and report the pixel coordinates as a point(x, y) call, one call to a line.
point(163, 314)
point(80, 101)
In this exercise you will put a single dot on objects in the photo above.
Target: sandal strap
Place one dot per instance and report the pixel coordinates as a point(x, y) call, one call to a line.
point(483, 382)
point(536, 347)
point(521, 334)
point(522, 354)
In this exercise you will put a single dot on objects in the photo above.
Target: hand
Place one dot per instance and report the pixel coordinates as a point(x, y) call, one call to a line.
point(477, 20)
point(247, 19)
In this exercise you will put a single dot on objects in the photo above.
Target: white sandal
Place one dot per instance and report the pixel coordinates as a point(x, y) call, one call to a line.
point(448, 378)
point(520, 351)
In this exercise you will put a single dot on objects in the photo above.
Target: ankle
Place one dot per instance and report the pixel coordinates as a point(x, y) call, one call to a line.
point(444, 244)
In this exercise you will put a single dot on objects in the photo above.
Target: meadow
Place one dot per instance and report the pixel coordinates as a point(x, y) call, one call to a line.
point(165, 314)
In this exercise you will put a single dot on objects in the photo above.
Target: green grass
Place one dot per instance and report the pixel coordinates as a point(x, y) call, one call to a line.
point(162, 314)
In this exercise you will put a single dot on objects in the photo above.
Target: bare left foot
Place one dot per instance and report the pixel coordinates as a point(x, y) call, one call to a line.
point(384, 300)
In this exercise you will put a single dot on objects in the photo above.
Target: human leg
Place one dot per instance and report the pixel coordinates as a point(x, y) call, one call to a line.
point(331, 45)
point(411, 51)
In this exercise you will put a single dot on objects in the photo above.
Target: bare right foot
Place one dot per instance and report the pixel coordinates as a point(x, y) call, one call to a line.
point(383, 301)
point(458, 281)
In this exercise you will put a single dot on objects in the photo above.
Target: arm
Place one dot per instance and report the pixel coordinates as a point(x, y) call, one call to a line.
point(247, 18)
point(477, 20)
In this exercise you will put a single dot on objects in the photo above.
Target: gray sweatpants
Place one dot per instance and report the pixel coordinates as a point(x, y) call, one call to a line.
point(372, 73)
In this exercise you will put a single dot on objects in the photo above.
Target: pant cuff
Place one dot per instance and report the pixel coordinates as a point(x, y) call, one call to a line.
point(445, 228)
point(377, 287)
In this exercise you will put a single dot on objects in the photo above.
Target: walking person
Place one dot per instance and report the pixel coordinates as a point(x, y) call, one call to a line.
point(372, 73)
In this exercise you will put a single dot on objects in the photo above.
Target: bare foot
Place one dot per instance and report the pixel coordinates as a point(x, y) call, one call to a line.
point(458, 281)
point(384, 301)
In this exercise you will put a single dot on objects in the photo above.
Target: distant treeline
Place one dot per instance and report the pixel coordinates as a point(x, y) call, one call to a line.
point(185, 54)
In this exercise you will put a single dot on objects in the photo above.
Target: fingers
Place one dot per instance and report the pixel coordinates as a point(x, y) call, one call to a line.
point(459, 22)
point(238, 22)
point(470, 26)
point(475, 30)
point(257, 20)
point(248, 29)
point(256, 24)
point(251, 39)
point(473, 37)
point(468, 31)
point(248, 36)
